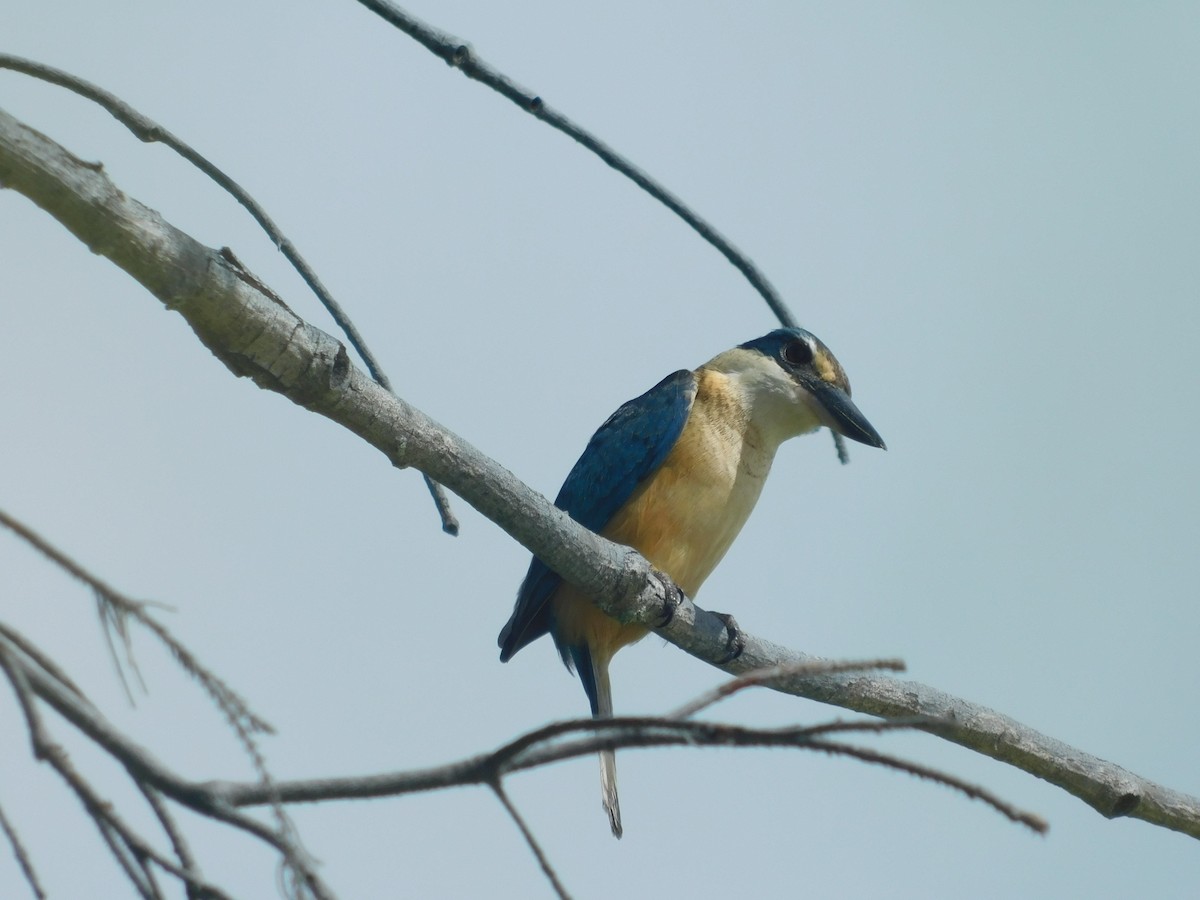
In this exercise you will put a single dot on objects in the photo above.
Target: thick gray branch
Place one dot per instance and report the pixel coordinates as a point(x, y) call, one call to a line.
point(255, 335)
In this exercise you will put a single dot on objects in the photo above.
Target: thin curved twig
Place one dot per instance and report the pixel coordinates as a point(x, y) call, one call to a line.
point(534, 846)
point(974, 791)
point(653, 732)
point(187, 862)
point(22, 855)
point(149, 131)
point(786, 670)
point(458, 54)
point(50, 666)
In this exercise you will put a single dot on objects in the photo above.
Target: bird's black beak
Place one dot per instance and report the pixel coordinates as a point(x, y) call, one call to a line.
point(839, 413)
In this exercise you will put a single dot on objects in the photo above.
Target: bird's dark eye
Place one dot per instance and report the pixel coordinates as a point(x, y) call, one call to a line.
point(797, 353)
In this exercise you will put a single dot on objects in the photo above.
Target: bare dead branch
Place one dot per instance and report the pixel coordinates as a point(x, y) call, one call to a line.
point(543, 862)
point(552, 743)
point(116, 609)
point(45, 662)
point(30, 681)
point(974, 791)
point(255, 336)
point(584, 737)
point(179, 844)
point(22, 856)
point(149, 131)
point(458, 54)
point(655, 732)
point(127, 849)
point(774, 673)
point(114, 622)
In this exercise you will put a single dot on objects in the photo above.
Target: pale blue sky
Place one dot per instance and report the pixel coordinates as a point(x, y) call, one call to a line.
point(991, 213)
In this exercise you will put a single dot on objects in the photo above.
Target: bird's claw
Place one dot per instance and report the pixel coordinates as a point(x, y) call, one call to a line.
point(735, 641)
point(672, 600)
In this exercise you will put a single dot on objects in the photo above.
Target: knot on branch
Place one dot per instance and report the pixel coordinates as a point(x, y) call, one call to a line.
point(1124, 805)
point(339, 372)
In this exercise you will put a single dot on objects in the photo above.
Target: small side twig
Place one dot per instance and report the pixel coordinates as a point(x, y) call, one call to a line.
point(498, 790)
point(183, 852)
point(23, 860)
point(47, 664)
point(786, 670)
point(120, 839)
point(973, 791)
point(117, 609)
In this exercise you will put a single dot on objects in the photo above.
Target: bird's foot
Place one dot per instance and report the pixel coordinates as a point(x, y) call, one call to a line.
point(735, 640)
point(672, 600)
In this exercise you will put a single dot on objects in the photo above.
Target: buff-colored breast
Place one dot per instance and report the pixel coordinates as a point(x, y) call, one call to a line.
point(685, 516)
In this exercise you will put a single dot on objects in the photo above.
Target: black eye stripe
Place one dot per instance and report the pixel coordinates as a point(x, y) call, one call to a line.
point(797, 353)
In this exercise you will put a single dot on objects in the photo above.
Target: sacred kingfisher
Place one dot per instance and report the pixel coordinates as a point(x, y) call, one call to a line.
point(674, 474)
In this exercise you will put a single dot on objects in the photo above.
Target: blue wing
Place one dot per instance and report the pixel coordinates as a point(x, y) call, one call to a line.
point(626, 449)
